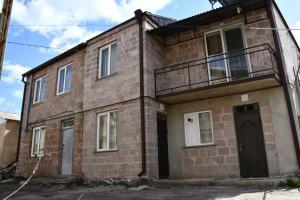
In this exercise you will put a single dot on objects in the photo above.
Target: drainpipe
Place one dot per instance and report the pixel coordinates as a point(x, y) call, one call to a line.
point(281, 68)
point(139, 17)
point(21, 119)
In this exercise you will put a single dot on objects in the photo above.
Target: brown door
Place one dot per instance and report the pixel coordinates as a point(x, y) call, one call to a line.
point(162, 137)
point(251, 146)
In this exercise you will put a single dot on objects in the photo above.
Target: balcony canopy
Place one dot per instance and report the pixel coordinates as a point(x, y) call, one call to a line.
point(228, 2)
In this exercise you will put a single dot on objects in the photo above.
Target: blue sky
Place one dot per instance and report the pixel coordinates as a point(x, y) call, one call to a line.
point(18, 59)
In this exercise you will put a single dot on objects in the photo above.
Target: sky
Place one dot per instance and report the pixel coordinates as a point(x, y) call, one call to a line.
point(58, 24)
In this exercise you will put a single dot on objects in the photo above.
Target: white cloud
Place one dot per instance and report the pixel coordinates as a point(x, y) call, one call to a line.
point(12, 72)
point(18, 93)
point(70, 12)
point(297, 32)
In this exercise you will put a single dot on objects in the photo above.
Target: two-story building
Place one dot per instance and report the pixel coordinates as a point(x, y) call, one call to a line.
point(213, 95)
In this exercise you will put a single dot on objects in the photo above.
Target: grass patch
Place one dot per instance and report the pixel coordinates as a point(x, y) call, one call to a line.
point(289, 183)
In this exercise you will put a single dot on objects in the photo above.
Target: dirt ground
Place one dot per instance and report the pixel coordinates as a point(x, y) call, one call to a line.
point(176, 193)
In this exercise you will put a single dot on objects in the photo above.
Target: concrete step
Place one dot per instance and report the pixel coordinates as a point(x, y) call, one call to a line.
point(258, 182)
point(60, 180)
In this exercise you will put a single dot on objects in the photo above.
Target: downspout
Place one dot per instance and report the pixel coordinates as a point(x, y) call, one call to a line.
point(281, 68)
point(139, 17)
point(21, 119)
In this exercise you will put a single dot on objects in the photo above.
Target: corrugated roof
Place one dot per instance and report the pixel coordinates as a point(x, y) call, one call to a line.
point(207, 17)
point(10, 116)
point(228, 2)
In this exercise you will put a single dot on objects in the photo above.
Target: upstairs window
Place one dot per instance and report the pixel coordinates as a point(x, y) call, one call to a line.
point(107, 60)
point(198, 128)
point(64, 79)
point(38, 141)
point(39, 89)
point(106, 131)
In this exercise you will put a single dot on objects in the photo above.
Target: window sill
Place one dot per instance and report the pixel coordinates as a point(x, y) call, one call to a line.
point(106, 151)
point(107, 76)
point(199, 146)
point(63, 93)
point(37, 103)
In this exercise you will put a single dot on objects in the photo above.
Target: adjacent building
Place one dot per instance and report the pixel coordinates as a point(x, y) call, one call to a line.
point(214, 95)
point(9, 137)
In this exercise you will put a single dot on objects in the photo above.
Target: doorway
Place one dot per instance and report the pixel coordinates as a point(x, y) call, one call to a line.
point(162, 141)
point(250, 141)
point(67, 148)
point(226, 55)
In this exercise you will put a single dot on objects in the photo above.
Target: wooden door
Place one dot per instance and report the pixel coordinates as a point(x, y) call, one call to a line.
point(162, 137)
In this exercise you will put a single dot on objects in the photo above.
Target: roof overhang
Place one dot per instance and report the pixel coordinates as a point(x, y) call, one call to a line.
point(208, 17)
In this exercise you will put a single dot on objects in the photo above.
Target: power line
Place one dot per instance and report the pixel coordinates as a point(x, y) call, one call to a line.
point(36, 45)
point(11, 77)
point(279, 29)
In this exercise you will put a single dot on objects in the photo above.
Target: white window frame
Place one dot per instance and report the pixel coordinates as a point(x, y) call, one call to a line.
point(33, 139)
point(108, 130)
point(35, 88)
point(100, 59)
point(212, 129)
point(58, 80)
point(221, 31)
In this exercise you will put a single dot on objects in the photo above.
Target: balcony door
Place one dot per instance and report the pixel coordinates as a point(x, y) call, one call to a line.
point(226, 55)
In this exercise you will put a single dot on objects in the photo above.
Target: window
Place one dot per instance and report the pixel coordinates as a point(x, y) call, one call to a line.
point(39, 89)
point(106, 131)
point(38, 141)
point(107, 61)
point(198, 128)
point(64, 79)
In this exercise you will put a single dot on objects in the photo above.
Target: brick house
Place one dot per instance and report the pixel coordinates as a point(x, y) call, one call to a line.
point(212, 95)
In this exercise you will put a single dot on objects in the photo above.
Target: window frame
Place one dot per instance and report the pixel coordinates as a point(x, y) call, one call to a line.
point(108, 131)
point(35, 88)
point(108, 61)
point(33, 139)
point(65, 75)
point(212, 130)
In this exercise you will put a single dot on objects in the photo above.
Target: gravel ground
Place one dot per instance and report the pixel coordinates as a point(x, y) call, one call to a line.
point(177, 193)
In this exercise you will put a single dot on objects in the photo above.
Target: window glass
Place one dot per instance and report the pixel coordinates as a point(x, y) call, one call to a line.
point(43, 86)
point(205, 128)
point(113, 58)
point(37, 90)
point(104, 62)
point(214, 43)
point(38, 141)
point(35, 141)
point(112, 130)
point(68, 78)
point(103, 132)
point(42, 141)
point(61, 80)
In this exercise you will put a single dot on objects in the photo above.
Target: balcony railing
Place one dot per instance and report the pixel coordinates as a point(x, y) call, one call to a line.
point(252, 63)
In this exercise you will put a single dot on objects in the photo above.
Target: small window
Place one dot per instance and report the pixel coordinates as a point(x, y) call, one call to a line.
point(64, 79)
point(106, 131)
point(39, 89)
point(107, 61)
point(198, 128)
point(38, 141)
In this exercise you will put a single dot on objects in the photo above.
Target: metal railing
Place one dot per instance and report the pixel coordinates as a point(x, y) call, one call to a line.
point(243, 64)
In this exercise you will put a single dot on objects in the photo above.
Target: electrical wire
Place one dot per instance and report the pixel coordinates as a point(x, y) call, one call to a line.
point(36, 45)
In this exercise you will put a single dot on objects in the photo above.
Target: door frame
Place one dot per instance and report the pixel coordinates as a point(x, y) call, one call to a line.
point(224, 47)
point(61, 143)
point(263, 138)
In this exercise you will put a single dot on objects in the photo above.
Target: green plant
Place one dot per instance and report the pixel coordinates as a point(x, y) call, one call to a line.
point(289, 183)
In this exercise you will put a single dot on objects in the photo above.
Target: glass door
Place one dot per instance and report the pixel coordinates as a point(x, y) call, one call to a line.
point(216, 59)
point(236, 54)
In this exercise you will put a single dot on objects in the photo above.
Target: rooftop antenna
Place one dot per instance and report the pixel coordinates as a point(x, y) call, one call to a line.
point(213, 2)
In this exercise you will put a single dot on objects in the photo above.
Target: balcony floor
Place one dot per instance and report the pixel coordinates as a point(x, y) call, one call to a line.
point(219, 90)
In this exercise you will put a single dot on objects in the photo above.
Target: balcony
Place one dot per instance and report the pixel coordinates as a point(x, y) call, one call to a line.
point(225, 74)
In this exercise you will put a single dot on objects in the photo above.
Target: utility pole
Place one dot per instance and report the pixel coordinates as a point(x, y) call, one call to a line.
point(5, 12)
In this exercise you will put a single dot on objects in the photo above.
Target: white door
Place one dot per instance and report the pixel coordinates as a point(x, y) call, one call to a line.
point(67, 151)
point(192, 131)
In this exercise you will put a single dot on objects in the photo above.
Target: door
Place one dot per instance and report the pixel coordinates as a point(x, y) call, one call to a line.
point(226, 55)
point(216, 57)
point(236, 57)
point(67, 149)
point(251, 146)
point(162, 137)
